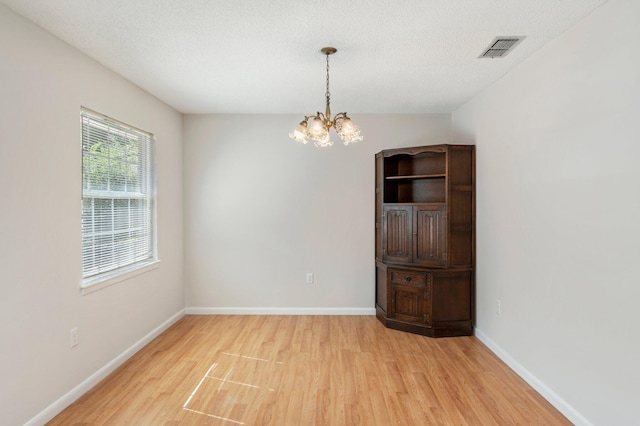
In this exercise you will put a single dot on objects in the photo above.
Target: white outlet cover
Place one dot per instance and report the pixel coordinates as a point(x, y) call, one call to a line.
point(73, 337)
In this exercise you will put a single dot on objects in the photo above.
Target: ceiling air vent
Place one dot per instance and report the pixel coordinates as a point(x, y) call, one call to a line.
point(500, 46)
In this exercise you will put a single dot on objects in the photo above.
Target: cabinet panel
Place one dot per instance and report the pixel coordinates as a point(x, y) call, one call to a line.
point(381, 286)
point(461, 166)
point(452, 291)
point(430, 236)
point(409, 304)
point(378, 211)
point(396, 234)
point(378, 224)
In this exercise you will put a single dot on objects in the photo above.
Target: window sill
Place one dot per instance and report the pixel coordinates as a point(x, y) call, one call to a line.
point(92, 285)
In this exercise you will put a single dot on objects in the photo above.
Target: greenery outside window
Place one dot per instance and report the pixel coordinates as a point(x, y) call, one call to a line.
point(118, 198)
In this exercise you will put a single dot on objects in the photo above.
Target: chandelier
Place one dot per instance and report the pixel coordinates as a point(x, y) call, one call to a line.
point(318, 130)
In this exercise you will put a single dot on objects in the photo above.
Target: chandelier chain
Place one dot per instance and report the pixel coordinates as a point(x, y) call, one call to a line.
point(328, 94)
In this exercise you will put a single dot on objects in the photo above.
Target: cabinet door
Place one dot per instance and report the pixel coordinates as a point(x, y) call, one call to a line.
point(429, 245)
point(410, 297)
point(397, 233)
point(408, 304)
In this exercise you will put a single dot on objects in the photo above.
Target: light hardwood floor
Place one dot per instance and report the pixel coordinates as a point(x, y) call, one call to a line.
point(309, 370)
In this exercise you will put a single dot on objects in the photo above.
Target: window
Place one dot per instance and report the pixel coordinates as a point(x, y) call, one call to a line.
point(118, 191)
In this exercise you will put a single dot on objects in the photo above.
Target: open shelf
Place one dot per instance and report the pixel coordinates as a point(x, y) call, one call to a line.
point(415, 178)
point(429, 176)
point(432, 190)
point(424, 164)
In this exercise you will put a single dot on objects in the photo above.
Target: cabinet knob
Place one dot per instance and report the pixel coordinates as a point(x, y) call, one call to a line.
point(407, 279)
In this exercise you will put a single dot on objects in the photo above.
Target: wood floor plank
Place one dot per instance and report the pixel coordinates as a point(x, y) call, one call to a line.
point(308, 370)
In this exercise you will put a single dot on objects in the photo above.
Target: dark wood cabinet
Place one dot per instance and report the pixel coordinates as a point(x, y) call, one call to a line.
point(424, 232)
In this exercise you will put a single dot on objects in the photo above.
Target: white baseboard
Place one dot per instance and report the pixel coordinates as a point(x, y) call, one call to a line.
point(280, 311)
point(56, 408)
point(556, 400)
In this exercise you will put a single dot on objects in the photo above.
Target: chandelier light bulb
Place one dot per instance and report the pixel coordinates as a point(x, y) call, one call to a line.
point(317, 127)
point(347, 127)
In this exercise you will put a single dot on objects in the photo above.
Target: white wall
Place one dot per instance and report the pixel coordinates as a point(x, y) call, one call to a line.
point(43, 84)
point(558, 208)
point(262, 210)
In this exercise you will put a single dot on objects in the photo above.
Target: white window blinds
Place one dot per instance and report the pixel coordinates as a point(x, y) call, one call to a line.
point(117, 198)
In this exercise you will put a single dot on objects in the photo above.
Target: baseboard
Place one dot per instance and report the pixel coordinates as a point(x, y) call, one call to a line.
point(547, 393)
point(280, 311)
point(56, 408)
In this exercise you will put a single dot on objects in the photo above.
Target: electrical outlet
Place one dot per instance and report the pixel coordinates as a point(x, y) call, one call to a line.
point(498, 307)
point(73, 337)
point(309, 277)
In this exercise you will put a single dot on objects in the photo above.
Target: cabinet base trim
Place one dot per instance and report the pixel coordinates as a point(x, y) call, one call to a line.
point(465, 329)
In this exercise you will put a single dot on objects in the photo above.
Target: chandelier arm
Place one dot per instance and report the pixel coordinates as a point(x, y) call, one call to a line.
point(338, 119)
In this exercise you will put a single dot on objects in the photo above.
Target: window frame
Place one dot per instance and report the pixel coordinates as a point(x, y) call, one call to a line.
point(119, 272)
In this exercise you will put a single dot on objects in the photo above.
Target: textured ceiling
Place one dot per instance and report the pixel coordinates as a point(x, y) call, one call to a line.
point(241, 56)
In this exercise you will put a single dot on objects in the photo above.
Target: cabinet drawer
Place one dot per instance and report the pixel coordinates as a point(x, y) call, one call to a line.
point(409, 278)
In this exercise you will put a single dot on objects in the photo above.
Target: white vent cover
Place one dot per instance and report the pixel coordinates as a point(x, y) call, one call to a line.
point(500, 46)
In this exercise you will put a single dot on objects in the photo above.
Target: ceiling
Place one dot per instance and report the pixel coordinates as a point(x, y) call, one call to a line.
point(243, 56)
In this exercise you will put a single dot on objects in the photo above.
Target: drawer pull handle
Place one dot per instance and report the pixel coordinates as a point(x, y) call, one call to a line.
point(408, 279)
